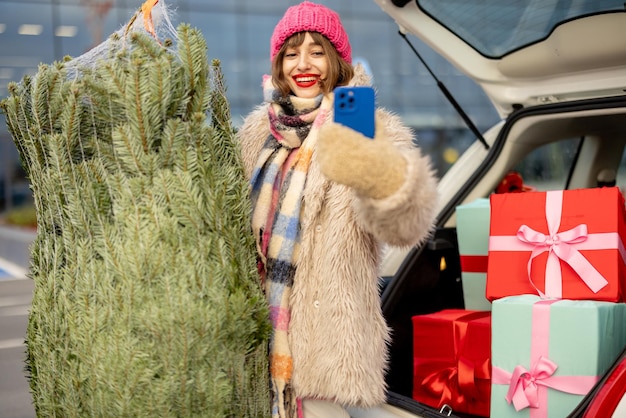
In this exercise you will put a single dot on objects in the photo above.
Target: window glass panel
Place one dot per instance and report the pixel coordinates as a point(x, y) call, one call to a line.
point(26, 41)
point(499, 27)
point(621, 173)
point(547, 167)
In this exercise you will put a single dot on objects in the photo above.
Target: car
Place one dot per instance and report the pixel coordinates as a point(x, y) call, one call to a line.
point(555, 73)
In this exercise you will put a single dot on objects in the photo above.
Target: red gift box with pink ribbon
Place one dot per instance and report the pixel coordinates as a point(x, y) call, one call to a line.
point(558, 244)
point(452, 360)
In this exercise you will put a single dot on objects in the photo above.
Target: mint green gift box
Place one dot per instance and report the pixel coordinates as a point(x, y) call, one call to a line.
point(472, 230)
point(582, 338)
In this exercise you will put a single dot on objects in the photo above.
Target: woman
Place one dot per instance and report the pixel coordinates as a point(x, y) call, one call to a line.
point(325, 201)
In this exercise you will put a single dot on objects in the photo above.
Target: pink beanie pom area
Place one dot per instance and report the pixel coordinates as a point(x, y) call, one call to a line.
point(311, 17)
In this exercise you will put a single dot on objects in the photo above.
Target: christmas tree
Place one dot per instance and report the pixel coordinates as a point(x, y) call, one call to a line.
point(146, 301)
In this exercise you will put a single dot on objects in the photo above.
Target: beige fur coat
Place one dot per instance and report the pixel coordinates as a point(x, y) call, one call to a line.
point(337, 334)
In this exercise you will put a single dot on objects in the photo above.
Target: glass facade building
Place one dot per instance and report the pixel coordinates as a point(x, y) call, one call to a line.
point(238, 33)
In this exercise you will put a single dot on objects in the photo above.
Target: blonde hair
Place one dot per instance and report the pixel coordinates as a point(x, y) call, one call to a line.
point(339, 71)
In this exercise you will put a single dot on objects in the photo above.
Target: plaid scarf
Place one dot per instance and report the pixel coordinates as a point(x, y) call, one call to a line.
point(277, 185)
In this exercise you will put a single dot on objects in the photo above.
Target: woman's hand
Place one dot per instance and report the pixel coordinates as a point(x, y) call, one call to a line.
point(373, 167)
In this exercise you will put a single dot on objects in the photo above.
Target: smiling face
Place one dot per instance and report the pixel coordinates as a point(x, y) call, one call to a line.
point(304, 66)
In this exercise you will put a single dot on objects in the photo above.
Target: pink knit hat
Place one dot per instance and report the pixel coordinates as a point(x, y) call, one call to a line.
point(311, 17)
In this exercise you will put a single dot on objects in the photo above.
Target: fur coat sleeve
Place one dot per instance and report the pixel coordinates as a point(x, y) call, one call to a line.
point(404, 218)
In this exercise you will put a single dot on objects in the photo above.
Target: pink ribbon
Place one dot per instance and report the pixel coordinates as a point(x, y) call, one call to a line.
point(524, 385)
point(564, 245)
point(529, 388)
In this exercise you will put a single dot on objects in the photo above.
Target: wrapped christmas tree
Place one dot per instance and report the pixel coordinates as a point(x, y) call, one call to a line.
point(146, 301)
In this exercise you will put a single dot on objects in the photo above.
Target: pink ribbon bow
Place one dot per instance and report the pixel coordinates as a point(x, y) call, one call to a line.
point(529, 388)
point(561, 246)
point(524, 385)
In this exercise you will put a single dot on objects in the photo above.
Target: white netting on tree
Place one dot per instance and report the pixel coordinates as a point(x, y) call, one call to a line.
point(146, 298)
point(152, 18)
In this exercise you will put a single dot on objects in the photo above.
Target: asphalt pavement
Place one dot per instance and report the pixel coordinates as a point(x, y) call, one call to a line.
point(15, 299)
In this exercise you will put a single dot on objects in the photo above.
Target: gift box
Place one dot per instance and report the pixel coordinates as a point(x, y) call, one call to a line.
point(558, 244)
point(451, 360)
point(547, 354)
point(472, 230)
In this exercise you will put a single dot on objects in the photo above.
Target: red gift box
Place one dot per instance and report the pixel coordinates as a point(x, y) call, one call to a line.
point(558, 244)
point(452, 360)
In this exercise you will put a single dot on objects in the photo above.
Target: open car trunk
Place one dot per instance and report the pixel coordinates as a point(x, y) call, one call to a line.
point(429, 278)
point(555, 72)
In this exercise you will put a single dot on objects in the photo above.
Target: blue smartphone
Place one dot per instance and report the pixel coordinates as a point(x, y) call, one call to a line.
point(355, 107)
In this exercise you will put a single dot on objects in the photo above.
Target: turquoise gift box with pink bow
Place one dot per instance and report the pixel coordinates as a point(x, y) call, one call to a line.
point(548, 353)
point(558, 244)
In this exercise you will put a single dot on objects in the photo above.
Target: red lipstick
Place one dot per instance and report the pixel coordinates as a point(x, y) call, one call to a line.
point(306, 80)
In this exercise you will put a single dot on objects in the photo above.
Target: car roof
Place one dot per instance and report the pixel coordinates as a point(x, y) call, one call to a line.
point(525, 52)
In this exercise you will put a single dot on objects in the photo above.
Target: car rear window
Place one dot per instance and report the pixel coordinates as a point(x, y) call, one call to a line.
point(496, 28)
